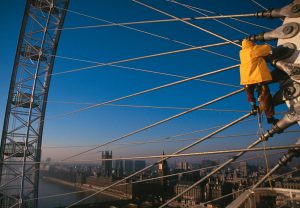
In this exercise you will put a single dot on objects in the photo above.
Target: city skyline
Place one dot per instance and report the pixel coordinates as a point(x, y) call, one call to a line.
point(96, 126)
point(140, 101)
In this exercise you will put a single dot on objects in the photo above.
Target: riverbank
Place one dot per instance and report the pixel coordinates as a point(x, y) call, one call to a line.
point(88, 188)
point(59, 181)
point(55, 193)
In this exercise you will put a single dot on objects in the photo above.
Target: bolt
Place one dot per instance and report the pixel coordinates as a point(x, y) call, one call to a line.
point(296, 8)
point(296, 71)
point(292, 112)
point(288, 92)
point(291, 90)
point(288, 30)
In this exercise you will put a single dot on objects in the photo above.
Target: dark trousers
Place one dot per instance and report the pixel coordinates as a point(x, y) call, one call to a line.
point(264, 97)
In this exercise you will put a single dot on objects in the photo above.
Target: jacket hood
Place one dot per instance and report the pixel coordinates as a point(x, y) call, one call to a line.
point(247, 43)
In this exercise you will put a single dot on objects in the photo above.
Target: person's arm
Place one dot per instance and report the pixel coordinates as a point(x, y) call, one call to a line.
point(261, 50)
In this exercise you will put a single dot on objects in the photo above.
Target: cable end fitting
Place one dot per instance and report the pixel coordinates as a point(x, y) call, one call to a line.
point(265, 13)
point(295, 152)
point(254, 112)
point(259, 37)
point(264, 137)
point(271, 132)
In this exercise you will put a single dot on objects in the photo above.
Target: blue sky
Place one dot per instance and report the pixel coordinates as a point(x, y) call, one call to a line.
point(106, 44)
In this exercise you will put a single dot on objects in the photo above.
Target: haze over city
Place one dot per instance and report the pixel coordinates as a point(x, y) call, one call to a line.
point(91, 128)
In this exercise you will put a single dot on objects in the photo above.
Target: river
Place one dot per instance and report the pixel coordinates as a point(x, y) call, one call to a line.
point(47, 188)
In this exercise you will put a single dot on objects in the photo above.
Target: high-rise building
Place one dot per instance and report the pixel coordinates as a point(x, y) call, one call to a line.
point(106, 168)
point(128, 169)
point(183, 166)
point(139, 164)
point(118, 168)
point(163, 169)
point(243, 166)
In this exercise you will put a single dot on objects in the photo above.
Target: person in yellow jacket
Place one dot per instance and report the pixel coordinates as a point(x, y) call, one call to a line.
point(255, 74)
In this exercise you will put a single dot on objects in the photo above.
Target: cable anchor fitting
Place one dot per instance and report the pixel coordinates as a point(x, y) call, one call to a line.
point(291, 69)
point(285, 31)
point(291, 10)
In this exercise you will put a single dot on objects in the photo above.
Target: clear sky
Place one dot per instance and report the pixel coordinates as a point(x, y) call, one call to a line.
point(106, 44)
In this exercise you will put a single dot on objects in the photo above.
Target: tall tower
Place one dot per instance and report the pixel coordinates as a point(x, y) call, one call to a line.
point(21, 138)
point(106, 164)
point(163, 169)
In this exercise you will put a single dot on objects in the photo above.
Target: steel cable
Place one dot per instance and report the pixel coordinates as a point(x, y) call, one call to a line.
point(188, 23)
point(165, 158)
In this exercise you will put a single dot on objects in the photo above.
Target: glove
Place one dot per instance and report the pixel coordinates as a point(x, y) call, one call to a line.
point(281, 52)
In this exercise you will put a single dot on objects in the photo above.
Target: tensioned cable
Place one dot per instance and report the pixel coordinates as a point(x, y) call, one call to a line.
point(238, 20)
point(165, 158)
point(273, 178)
point(151, 106)
point(148, 33)
point(149, 179)
point(232, 159)
point(183, 134)
point(188, 23)
point(148, 90)
point(167, 139)
point(219, 16)
point(216, 152)
point(258, 4)
point(159, 122)
point(223, 23)
point(148, 106)
point(284, 174)
point(150, 71)
point(124, 145)
point(195, 170)
point(261, 6)
point(116, 24)
point(129, 144)
point(224, 196)
point(156, 21)
point(144, 57)
point(195, 10)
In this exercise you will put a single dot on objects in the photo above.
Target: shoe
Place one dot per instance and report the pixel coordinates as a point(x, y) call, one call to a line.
point(272, 120)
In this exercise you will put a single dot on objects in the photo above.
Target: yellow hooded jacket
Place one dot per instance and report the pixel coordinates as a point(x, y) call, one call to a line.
point(253, 68)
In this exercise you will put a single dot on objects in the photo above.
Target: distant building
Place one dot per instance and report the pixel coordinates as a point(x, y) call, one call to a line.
point(183, 166)
point(128, 167)
point(215, 189)
point(193, 196)
point(163, 169)
point(118, 168)
point(106, 168)
point(124, 191)
point(139, 164)
point(208, 163)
